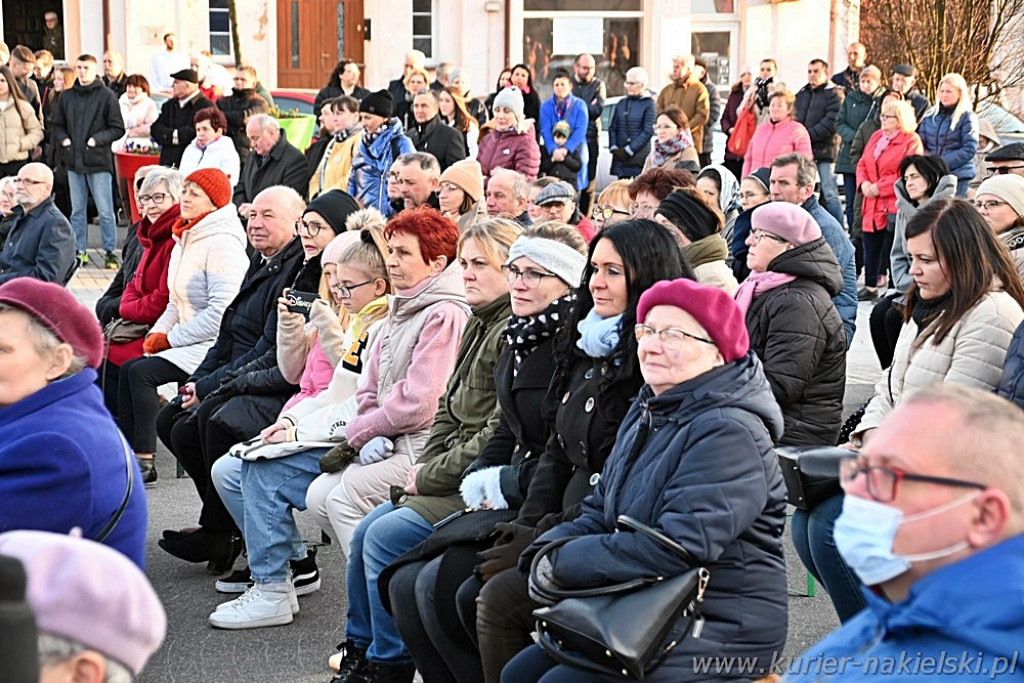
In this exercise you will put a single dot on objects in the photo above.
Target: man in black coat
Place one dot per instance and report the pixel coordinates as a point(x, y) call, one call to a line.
point(40, 242)
point(114, 76)
point(273, 161)
point(243, 103)
point(817, 107)
point(431, 135)
point(904, 78)
point(174, 128)
point(589, 88)
point(238, 389)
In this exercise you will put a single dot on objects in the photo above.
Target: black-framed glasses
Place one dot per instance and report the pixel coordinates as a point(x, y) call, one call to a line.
point(312, 228)
point(758, 235)
point(1003, 170)
point(345, 291)
point(989, 205)
point(607, 212)
point(883, 482)
point(531, 277)
point(156, 198)
point(670, 336)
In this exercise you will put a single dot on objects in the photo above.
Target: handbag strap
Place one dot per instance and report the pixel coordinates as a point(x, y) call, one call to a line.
point(119, 512)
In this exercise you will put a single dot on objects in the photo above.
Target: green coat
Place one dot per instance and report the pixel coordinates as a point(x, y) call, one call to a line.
point(855, 109)
point(466, 417)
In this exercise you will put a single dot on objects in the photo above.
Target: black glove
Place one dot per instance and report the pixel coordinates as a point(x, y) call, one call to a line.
point(620, 154)
point(338, 458)
point(233, 385)
point(504, 555)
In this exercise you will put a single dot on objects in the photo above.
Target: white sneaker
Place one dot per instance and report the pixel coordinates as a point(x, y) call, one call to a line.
point(262, 605)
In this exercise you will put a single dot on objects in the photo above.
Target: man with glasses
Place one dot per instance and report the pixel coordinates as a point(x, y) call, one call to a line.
point(932, 524)
point(1006, 159)
point(40, 243)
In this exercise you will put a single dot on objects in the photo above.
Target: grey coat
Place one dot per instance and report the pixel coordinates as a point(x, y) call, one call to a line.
point(905, 209)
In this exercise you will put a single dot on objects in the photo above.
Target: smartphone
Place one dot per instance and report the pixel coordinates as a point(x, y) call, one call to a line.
point(301, 302)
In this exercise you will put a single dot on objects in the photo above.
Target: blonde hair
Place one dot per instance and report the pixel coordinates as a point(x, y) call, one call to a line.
point(617, 195)
point(495, 237)
point(904, 112)
point(963, 106)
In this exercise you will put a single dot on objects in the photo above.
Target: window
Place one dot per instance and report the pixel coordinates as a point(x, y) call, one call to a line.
point(423, 27)
point(220, 29)
point(715, 48)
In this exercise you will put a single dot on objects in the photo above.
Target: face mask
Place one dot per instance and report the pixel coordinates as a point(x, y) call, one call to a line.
point(864, 534)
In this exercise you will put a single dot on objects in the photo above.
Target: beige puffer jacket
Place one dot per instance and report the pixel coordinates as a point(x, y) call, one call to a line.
point(20, 131)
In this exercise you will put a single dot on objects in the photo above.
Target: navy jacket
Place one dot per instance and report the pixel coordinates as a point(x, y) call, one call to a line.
point(40, 244)
point(83, 112)
point(842, 247)
point(956, 145)
point(697, 464)
point(631, 129)
point(817, 109)
point(1011, 385)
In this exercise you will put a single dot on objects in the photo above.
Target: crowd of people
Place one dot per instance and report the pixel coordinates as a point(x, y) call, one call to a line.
point(427, 331)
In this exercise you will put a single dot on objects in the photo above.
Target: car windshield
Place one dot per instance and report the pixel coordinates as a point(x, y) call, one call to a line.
point(1003, 121)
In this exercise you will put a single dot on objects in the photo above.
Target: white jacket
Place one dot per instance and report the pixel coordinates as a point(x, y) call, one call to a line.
point(142, 113)
point(205, 272)
point(220, 154)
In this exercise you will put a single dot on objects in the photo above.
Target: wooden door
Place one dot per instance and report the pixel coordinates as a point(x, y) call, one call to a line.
point(312, 35)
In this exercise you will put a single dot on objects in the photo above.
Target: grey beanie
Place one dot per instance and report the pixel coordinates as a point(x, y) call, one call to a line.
point(512, 98)
point(558, 258)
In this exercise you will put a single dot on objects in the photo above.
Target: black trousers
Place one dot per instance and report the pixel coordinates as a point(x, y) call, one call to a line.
point(877, 245)
point(108, 382)
point(886, 322)
point(504, 621)
point(137, 402)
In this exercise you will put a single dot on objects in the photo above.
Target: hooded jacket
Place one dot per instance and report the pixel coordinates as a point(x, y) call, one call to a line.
point(697, 464)
point(905, 209)
point(515, 148)
point(370, 166)
point(797, 333)
point(956, 619)
point(84, 112)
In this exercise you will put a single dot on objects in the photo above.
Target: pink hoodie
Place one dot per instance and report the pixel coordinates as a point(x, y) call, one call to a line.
point(315, 377)
point(773, 140)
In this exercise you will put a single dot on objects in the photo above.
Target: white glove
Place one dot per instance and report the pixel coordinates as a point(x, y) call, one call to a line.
point(481, 490)
point(375, 450)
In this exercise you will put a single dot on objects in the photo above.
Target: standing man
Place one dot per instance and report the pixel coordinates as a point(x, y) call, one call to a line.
point(114, 76)
point(40, 242)
point(591, 90)
point(849, 78)
point(86, 120)
point(414, 59)
point(21, 64)
point(42, 74)
point(817, 107)
point(714, 112)
point(690, 95)
point(242, 104)
point(174, 128)
point(53, 37)
point(165, 63)
point(214, 80)
point(904, 81)
point(432, 135)
point(272, 161)
point(1006, 159)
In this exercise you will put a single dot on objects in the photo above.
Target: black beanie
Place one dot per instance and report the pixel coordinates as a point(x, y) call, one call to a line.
point(335, 206)
point(690, 215)
point(378, 103)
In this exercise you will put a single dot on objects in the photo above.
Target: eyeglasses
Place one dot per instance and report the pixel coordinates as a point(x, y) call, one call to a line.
point(669, 336)
point(644, 210)
point(632, 82)
point(888, 116)
point(758, 235)
point(607, 212)
point(989, 205)
point(531, 277)
point(312, 228)
point(345, 291)
point(28, 181)
point(1003, 170)
point(156, 198)
point(883, 482)
point(446, 187)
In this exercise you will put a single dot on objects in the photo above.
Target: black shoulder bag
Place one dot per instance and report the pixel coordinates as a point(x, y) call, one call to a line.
point(624, 630)
point(811, 473)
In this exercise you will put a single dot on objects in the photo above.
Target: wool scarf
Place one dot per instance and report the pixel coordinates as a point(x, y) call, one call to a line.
point(706, 250)
point(525, 333)
point(663, 151)
point(181, 225)
point(599, 336)
point(927, 310)
point(884, 141)
point(758, 283)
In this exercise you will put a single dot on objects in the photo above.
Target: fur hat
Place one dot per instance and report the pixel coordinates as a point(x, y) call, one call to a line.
point(468, 176)
point(335, 206)
point(379, 103)
point(58, 310)
point(214, 183)
point(512, 98)
point(791, 222)
point(715, 310)
point(1009, 188)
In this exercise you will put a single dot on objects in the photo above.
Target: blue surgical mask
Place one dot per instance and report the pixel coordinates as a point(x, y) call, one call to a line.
point(864, 534)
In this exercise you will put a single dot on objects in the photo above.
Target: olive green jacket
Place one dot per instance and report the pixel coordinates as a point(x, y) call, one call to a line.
point(467, 415)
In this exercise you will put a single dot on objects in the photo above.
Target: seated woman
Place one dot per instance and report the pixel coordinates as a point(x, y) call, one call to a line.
point(719, 185)
point(512, 142)
point(753, 193)
point(467, 417)
point(211, 148)
point(696, 227)
point(1000, 201)
point(460, 193)
point(694, 460)
point(144, 297)
point(63, 463)
point(962, 308)
point(206, 268)
point(614, 205)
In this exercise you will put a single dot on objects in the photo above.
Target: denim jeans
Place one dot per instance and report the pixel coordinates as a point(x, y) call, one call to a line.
point(814, 543)
point(829, 190)
point(226, 474)
point(850, 188)
point(383, 535)
point(98, 184)
point(270, 489)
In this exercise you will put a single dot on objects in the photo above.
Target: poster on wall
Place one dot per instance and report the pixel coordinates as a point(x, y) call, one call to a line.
point(573, 35)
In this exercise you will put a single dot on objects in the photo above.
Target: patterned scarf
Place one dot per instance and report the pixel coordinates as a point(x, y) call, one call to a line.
point(665, 150)
point(524, 334)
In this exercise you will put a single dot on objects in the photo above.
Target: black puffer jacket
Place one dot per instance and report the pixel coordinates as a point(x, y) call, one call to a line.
point(817, 109)
point(797, 333)
point(84, 112)
point(238, 108)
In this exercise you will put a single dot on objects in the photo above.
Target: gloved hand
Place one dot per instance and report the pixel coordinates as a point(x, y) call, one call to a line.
point(542, 581)
point(505, 554)
point(155, 342)
point(620, 154)
point(481, 490)
point(375, 450)
point(323, 316)
point(338, 458)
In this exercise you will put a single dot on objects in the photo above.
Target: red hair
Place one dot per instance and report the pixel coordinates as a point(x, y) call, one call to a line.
point(437, 235)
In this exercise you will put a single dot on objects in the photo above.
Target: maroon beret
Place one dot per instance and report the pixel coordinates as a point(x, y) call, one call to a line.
point(58, 310)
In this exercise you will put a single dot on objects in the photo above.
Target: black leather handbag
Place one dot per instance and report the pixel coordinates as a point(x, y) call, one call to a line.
point(624, 630)
point(811, 473)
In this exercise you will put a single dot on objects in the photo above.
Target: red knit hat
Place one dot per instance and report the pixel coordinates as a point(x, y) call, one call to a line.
point(57, 309)
point(715, 310)
point(214, 183)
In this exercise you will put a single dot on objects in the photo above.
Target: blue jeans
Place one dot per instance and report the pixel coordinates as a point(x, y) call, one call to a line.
point(812, 538)
point(962, 185)
point(226, 474)
point(829, 190)
point(383, 535)
point(270, 489)
point(98, 184)
point(850, 187)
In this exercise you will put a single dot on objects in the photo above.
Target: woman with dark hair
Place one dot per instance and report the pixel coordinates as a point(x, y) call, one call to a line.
point(673, 143)
point(522, 78)
point(344, 80)
point(452, 108)
point(211, 148)
point(504, 79)
point(922, 180)
point(961, 310)
point(138, 110)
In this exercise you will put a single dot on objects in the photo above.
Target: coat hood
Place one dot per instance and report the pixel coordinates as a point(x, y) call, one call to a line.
point(223, 221)
point(944, 189)
point(813, 261)
point(447, 286)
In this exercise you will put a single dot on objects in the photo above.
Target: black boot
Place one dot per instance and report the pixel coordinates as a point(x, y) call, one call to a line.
point(353, 663)
point(148, 468)
point(219, 549)
point(375, 672)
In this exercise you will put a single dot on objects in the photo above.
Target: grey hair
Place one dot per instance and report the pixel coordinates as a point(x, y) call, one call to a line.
point(46, 340)
point(427, 162)
point(433, 94)
point(265, 121)
point(56, 649)
point(170, 178)
point(520, 185)
point(638, 74)
point(806, 171)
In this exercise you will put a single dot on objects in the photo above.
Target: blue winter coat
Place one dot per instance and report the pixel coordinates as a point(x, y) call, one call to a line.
point(956, 146)
point(631, 129)
point(369, 180)
point(962, 622)
point(40, 244)
point(846, 300)
point(576, 115)
point(697, 464)
point(62, 465)
point(1011, 384)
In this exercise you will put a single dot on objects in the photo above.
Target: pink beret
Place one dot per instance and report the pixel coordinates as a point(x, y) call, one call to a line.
point(791, 222)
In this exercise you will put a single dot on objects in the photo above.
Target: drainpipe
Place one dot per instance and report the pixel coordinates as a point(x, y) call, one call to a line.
point(107, 38)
